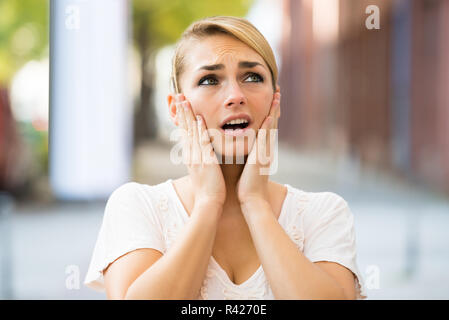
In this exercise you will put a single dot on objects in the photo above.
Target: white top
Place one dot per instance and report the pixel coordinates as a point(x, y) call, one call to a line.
point(142, 216)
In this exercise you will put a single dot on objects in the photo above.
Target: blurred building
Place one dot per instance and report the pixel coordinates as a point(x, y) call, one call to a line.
point(90, 107)
point(9, 145)
point(378, 95)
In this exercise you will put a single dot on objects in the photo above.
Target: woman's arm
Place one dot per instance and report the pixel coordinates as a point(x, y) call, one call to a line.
point(290, 274)
point(179, 273)
point(147, 274)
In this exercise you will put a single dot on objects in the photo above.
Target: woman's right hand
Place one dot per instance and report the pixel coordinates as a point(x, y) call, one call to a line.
point(205, 173)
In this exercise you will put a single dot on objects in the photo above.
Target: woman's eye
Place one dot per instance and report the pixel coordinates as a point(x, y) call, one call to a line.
point(212, 80)
point(255, 77)
point(208, 81)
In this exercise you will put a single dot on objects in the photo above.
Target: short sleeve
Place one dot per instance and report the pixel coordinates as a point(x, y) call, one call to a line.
point(330, 236)
point(129, 223)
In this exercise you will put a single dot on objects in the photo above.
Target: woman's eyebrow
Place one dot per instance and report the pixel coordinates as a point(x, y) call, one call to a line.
point(249, 64)
point(212, 67)
point(242, 64)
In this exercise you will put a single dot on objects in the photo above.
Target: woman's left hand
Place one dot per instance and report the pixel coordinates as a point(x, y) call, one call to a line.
point(253, 182)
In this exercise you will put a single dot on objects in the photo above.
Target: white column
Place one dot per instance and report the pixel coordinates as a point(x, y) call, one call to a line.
point(90, 141)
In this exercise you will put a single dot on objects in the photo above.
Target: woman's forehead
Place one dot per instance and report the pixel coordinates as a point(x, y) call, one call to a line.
point(219, 49)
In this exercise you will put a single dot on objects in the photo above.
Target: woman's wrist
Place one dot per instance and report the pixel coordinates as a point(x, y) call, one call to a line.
point(208, 201)
point(208, 206)
point(254, 205)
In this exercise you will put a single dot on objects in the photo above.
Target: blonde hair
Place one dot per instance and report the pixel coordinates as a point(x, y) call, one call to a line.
point(239, 28)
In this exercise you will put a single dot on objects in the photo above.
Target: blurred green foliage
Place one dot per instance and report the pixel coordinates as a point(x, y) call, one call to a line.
point(24, 25)
point(23, 34)
point(164, 21)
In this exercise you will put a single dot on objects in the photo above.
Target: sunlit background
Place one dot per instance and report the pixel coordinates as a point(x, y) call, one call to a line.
point(365, 114)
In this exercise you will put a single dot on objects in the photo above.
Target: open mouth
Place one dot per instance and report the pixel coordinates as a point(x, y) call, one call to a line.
point(235, 126)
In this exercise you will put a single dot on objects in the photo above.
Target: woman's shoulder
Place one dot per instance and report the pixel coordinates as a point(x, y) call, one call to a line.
point(322, 198)
point(133, 187)
point(140, 194)
point(316, 204)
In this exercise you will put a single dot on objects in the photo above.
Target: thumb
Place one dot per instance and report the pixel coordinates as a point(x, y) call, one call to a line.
point(267, 122)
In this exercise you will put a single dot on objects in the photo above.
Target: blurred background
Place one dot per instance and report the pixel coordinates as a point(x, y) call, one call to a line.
point(365, 114)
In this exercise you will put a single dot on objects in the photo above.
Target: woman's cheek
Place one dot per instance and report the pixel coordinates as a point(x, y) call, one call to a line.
point(197, 106)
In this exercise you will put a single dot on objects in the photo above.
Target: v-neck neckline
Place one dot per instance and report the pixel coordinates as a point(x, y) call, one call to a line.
point(226, 276)
point(214, 261)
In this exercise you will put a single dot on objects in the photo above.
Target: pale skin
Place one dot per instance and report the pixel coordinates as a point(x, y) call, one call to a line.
point(233, 209)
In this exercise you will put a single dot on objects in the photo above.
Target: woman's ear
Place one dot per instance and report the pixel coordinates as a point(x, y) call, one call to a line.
point(172, 108)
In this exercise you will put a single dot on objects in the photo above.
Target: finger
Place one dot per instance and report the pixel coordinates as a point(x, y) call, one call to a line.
point(187, 130)
point(275, 106)
point(277, 114)
point(179, 97)
point(274, 137)
point(185, 134)
point(207, 153)
point(279, 109)
point(204, 138)
point(267, 122)
point(188, 112)
point(273, 134)
point(265, 144)
point(176, 101)
point(272, 140)
point(193, 134)
point(200, 132)
point(275, 111)
point(182, 120)
point(263, 134)
point(180, 116)
point(278, 105)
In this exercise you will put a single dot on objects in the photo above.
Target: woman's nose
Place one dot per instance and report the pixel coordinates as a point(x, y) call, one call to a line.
point(235, 96)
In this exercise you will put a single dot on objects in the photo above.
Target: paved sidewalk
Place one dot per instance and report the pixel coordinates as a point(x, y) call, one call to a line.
point(401, 230)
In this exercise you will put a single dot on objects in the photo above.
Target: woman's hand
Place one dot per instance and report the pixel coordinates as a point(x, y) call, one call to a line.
point(198, 155)
point(253, 182)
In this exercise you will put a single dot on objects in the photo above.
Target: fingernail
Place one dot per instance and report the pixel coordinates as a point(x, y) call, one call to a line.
point(180, 97)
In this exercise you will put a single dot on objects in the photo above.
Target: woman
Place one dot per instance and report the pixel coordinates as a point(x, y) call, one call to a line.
point(225, 231)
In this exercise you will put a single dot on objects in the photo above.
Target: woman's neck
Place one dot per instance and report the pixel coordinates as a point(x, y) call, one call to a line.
point(231, 175)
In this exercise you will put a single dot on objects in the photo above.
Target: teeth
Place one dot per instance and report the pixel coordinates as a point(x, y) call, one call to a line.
point(237, 121)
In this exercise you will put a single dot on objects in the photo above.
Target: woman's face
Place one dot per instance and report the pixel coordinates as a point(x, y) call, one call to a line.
point(224, 79)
